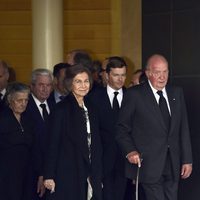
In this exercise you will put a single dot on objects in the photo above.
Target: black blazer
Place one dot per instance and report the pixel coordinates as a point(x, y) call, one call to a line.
point(52, 98)
point(2, 104)
point(67, 158)
point(141, 128)
point(40, 131)
point(112, 157)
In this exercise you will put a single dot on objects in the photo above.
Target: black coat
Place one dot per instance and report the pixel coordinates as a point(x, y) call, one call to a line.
point(15, 152)
point(112, 157)
point(141, 128)
point(41, 133)
point(67, 157)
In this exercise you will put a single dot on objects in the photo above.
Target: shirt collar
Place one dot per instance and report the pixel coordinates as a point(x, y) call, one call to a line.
point(155, 90)
point(111, 90)
point(37, 101)
point(3, 92)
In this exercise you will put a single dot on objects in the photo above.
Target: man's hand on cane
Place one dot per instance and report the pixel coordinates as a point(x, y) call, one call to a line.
point(134, 158)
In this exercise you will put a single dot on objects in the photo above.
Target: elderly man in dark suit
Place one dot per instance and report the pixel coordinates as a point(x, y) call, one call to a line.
point(108, 102)
point(153, 125)
point(39, 107)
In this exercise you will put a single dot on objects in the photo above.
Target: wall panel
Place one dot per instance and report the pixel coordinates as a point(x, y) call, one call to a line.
point(87, 5)
point(15, 32)
point(87, 26)
point(16, 36)
point(15, 5)
point(87, 31)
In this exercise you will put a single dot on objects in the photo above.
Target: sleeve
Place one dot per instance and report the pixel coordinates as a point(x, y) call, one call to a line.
point(186, 150)
point(53, 144)
point(124, 135)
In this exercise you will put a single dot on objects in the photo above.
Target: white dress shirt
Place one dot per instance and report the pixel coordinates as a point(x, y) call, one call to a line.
point(158, 97)
point(110, 92)
point(38, 105)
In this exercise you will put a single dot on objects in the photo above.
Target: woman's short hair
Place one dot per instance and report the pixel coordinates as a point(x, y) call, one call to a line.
point(15, 87)
point(74, 70)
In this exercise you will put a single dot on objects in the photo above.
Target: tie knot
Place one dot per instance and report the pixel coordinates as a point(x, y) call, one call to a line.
point(43, 105)
point(116, 93)
point(160, 93)
point(61, 97)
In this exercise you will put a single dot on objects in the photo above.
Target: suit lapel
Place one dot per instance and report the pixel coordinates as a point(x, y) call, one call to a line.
point(106, 99)
point(172, 102)
point(77, 130)
point(34, 109)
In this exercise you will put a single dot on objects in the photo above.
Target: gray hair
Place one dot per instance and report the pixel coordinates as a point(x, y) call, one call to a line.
point(40, 72)
point(15, 87)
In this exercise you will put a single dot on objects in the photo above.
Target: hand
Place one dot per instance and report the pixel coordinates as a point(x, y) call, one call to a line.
point(50, 185)
point(40, 186)
point(186, 170)
point(134, 158)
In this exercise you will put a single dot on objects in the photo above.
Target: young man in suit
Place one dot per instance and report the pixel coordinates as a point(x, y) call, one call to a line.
point(153, 126)
point(108, 102)
point(59, 92)
point(39, 107)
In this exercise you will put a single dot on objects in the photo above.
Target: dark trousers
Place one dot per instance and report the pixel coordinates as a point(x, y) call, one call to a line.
point(114, 186)
point(131, 191)
point(166, 188)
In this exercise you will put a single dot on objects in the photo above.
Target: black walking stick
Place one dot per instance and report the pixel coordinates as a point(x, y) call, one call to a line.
point(137, 180)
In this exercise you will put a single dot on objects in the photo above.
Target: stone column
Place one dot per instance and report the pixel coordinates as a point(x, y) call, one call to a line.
point(47, 24)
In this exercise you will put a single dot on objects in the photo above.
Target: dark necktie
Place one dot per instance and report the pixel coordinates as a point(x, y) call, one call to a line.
point(164, 109)
point(44, 111)
point(61, 97)
point(115, 102)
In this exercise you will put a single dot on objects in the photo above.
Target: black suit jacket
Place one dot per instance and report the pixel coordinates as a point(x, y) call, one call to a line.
point(52, 98)
point(141, 128)
point(40, 131)
point(67, 158)
point(2, 104)
point(112, 157)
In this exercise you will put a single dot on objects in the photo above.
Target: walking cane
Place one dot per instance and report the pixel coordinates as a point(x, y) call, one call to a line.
point(137, 180)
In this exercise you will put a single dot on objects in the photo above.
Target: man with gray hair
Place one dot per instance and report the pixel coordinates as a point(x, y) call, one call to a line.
point(39, 108)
